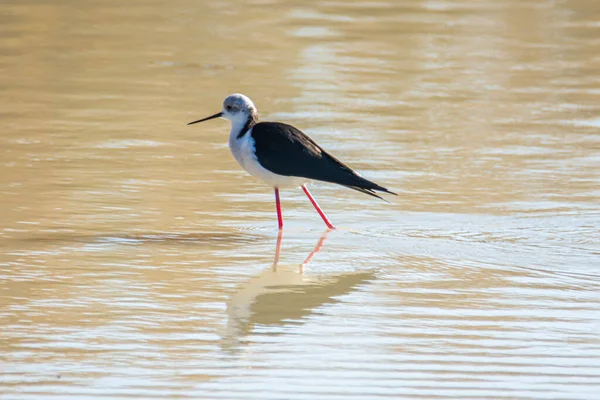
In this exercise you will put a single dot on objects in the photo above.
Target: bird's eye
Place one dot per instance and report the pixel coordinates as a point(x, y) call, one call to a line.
point(228, 108)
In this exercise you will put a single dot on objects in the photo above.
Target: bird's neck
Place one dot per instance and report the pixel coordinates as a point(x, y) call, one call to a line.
point(242, 124)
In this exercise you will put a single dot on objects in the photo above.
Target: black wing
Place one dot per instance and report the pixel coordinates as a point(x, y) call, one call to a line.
point(285, 150)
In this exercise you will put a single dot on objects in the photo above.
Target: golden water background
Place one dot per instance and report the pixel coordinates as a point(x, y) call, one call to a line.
point(136, 257)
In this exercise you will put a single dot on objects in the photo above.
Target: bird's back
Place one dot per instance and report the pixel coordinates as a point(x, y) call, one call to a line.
point(285, 150)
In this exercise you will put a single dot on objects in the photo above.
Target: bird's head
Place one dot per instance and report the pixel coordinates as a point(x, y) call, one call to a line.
point(236, 108)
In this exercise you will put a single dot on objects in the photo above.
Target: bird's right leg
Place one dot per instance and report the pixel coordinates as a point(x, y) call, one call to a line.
point(316, 206)
point(278, 205)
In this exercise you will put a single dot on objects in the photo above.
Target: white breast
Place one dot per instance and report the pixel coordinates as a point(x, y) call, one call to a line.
point(243, 151)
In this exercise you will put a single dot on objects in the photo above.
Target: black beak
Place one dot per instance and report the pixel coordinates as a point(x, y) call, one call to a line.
point(217, 115)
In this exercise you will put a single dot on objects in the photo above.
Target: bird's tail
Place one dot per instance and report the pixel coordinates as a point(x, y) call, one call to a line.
point(371, 190)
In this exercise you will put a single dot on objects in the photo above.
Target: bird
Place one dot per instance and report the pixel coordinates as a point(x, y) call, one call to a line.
point(283, 156)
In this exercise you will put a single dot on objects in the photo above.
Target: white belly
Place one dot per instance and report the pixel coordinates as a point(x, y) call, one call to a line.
point(243, 152)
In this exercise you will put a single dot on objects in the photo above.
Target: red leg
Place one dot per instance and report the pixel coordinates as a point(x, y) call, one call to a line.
point(278, 204)
point(321, 213)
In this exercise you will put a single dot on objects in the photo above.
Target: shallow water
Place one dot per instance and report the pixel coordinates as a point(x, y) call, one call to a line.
point(139, 261)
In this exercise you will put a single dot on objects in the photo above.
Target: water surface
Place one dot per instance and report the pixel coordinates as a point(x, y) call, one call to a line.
point(139, 261)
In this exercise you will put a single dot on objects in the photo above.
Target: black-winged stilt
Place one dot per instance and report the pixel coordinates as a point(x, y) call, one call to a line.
point(283, 156)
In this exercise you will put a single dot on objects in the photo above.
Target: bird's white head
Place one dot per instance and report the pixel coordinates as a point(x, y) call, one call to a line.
point(237, 108)
point(235, 104)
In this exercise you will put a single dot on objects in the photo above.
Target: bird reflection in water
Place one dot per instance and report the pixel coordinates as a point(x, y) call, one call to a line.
point(281, 295)
point(317, 248)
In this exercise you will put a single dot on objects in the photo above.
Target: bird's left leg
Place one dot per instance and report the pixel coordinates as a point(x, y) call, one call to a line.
point(278, 205)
